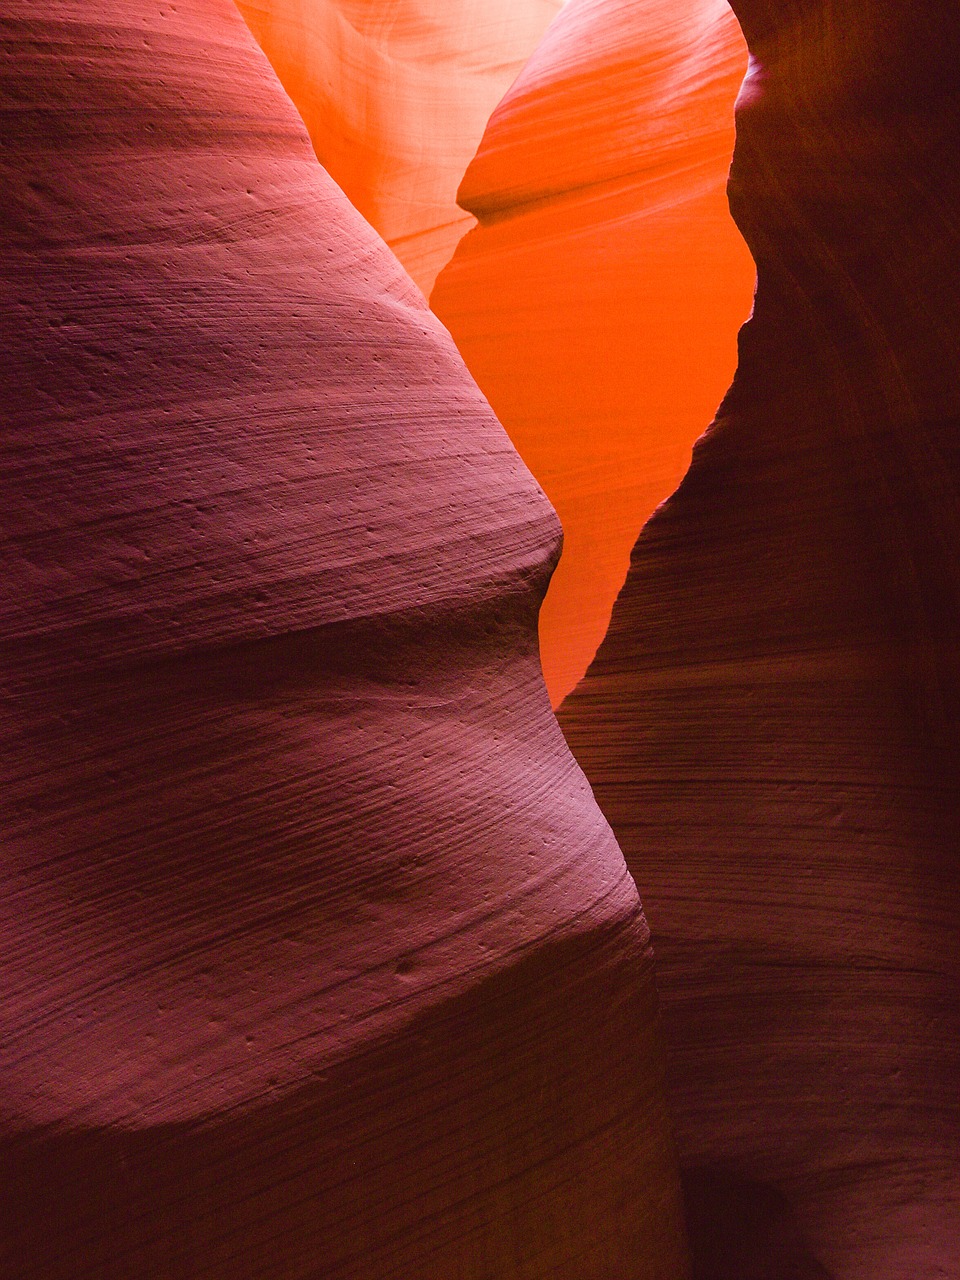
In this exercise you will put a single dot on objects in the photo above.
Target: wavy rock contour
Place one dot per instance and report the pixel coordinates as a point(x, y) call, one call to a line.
point(318, 957)
point(396, 96)
point(598, 301)
point(771, 724)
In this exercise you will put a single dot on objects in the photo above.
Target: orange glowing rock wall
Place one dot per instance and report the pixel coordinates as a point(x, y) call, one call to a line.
point(318, 958)
point(395, 97)
point(598, 302)
point(772, 723)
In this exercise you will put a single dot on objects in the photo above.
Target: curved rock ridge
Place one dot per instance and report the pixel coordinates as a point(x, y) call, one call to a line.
point(771, 724)
point(318, 957)
point(396, 96)
point(597, 303)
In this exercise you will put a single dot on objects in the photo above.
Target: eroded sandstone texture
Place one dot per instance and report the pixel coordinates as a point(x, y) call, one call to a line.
point(318, 957)
point(771, 724)
point(396, 96)
point(597, 303)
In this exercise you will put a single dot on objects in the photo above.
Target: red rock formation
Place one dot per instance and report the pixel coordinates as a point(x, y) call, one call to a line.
point(771, 724)
point(598, 302)
point(318, 958)
point(396, 96)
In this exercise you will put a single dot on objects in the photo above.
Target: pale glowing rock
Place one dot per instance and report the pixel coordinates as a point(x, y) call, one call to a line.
point(396, 96)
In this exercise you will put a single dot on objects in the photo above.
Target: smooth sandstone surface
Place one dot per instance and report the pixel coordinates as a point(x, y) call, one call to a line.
point(771, 724)
point(598, 301)
point(395, 95)
point(318, 957)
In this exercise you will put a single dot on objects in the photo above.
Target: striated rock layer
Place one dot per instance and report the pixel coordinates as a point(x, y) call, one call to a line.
point(318, 957)
point(771, 724)
point(396, 96)
point(597, 303)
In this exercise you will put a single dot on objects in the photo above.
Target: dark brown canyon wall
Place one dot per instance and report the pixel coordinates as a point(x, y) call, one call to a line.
point(771, 724)
point(318, 958)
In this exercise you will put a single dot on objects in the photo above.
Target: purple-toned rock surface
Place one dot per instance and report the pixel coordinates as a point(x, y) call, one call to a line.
point(318, 958)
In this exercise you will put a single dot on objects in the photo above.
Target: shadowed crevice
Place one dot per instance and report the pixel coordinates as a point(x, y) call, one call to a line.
point(743, 1230)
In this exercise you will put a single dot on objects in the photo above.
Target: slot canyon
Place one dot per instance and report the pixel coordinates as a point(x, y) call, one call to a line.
point(481, 673)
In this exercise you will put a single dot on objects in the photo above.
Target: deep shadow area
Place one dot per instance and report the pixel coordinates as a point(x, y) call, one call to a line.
point(742, 1230)
point(438, 1144)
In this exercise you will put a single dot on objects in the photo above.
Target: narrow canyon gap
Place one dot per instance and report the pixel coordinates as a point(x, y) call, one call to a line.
point(597, 303)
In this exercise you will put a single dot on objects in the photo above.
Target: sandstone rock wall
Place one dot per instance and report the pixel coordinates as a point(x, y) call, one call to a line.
point(318, 957)
point(771, 724)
